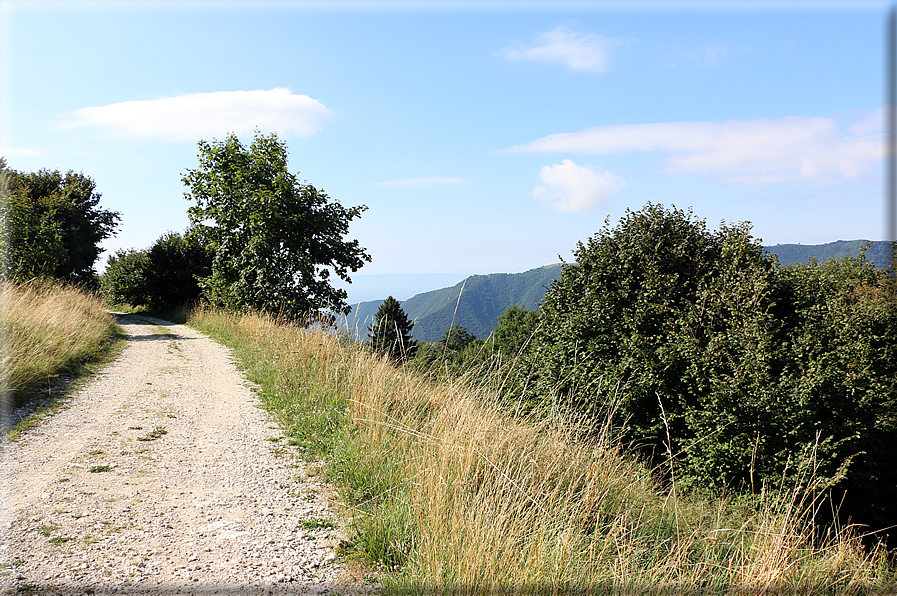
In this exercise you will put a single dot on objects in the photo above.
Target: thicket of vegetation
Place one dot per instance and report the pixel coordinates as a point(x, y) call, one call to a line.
point(51, 225)
point(450, 492)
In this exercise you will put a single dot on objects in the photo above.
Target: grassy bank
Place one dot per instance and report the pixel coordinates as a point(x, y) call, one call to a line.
point(450, 493)
point(46, 330)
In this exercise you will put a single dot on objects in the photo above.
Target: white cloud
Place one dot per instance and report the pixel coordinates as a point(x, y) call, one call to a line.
point(18, 151)
point(576, 51)
point(203, 115)
point(423, 181)
point(744, 151)
point(871, 123)
point(573, 189)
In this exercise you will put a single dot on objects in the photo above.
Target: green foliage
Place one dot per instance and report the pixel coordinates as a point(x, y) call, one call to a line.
point(703, 350)
point(456, 338)
point(176, 265)
point(275, 242)
point(126, 279)
point(53, 225)
point(165, 276)
point(458, 354)
point(515, 330)
point(840, 378)
point(390, 334)
point(499, 361)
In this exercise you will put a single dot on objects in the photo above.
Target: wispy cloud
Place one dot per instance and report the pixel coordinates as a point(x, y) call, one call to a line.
point(423, 181)
point(18, 151)
point(203, 115)
point(744, 151)
point(572, 188)
point(576, 51)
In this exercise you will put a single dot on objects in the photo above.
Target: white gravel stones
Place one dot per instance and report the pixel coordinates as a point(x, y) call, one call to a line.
point(160, 479)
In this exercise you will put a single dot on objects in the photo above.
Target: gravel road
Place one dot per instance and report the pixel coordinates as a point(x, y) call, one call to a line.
point(163, 476)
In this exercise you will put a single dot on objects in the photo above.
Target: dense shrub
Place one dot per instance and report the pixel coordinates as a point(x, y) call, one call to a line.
point(126, 279)
point(515, 330)
point(704, 351)
point(176, 265)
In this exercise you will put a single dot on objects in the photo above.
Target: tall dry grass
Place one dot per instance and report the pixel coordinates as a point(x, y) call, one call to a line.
point(47, 329)
point(451, 493)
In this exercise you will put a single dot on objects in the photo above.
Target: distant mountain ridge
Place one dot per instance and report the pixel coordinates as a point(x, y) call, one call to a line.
point(879, 252)
point(483, 298)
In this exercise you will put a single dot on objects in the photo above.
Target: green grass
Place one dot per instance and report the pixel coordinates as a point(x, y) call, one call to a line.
point(449, 492)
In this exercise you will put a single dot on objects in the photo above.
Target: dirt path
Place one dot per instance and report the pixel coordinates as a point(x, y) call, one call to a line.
point(164, 477)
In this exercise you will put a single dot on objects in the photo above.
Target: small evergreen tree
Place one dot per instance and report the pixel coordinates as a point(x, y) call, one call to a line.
point(391, 332)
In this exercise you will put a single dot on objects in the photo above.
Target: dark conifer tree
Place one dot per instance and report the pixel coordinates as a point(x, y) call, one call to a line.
point(390, 333)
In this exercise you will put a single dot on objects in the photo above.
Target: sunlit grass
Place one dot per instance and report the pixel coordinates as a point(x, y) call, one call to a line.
point(450, 493)
point(47, 329)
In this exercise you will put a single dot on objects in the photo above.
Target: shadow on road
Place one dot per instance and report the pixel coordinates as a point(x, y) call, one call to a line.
point(128, 320)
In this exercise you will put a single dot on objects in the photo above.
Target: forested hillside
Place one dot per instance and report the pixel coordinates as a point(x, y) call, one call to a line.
point(879, 252)
point(483, 299)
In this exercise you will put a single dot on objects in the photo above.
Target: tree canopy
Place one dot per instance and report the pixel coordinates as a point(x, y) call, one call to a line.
point(164, 276)
point(515, 330)
point(275, 242)
point(53, 224)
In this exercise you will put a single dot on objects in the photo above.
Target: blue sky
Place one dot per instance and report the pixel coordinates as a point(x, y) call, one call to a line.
point(484, 137)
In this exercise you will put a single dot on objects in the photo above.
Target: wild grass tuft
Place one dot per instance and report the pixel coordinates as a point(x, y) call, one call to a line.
point(450, 493)
point(47, 329)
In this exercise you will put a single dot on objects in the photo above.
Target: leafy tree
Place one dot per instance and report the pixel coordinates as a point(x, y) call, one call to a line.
point(274, 241)
point(175, 267)
point(515, 330)
point(456, 338)
point(54, 224)
point(127, 278)
point(390, 334)
point(161, 277)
